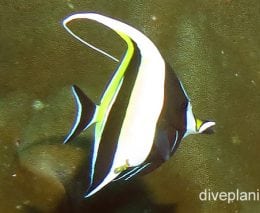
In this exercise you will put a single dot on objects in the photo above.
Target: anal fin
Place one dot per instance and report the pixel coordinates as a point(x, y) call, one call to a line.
point(85, 113)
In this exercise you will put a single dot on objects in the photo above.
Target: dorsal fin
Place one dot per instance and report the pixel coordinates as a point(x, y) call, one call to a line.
point(146, 46)
point(67, 20)
point(85, 113)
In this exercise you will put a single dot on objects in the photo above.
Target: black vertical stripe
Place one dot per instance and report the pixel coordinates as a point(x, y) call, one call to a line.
point(112, 129)
point(173, 116)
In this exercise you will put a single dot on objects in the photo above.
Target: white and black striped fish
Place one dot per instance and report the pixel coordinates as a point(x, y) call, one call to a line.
point(143, 114)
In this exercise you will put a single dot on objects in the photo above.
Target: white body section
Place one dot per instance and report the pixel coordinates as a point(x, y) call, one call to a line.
point(146, 101)
point(138, 130)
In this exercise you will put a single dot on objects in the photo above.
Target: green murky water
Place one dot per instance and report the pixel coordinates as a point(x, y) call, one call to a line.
point(214, 48)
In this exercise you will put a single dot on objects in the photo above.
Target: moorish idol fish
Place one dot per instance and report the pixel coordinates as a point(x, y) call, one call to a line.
point(143, 114)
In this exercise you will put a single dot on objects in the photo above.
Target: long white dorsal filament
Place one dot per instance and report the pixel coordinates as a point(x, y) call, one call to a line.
point(81, 16)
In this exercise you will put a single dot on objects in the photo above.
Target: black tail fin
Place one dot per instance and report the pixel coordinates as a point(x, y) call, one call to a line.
point(85, 113)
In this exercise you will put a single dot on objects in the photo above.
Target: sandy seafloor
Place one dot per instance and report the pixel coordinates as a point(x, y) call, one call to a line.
point(213, 47)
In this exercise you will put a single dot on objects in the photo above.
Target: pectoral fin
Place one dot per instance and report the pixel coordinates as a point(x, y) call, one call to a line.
point(163, 145)
point(85, 113)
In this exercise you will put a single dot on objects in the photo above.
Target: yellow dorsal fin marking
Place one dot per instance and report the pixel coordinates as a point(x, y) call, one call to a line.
point(114, 84)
